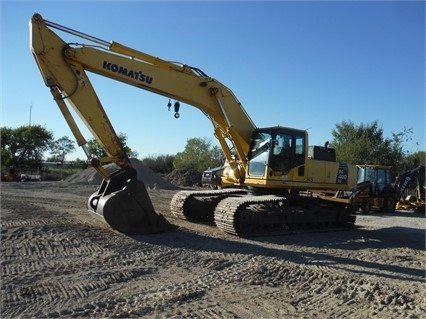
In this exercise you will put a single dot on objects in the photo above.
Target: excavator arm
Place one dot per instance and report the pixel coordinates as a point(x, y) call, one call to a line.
point(122, 199)
point(406, 179)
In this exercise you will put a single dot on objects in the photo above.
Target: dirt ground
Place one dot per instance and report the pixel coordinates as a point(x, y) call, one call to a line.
point(58, 261)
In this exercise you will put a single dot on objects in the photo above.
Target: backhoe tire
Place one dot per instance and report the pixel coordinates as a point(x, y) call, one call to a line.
point(389, 203)
point(365, 207)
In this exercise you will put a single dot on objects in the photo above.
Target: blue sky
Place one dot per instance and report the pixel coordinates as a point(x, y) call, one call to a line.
point(305, 64)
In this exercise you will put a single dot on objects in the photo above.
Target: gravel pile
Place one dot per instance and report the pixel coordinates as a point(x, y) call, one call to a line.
point(151, 179)
point(185, 177)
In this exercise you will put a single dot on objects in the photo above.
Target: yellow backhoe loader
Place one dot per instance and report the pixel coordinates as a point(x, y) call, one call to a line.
point(377, 188)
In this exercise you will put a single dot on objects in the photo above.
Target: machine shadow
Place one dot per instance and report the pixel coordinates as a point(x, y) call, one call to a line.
point(285, 248)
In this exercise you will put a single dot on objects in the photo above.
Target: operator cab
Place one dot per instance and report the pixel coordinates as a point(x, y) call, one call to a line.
point(379, 177)
point(279, 148)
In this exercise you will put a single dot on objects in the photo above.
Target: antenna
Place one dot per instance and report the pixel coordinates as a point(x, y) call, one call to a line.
point(31, 107)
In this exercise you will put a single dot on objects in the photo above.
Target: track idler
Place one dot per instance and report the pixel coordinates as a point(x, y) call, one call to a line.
point(123, 202)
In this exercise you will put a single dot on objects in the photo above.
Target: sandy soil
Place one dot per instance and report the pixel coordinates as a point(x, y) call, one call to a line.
point(58, 261)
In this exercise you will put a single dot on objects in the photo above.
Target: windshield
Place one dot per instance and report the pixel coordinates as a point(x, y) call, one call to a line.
point(260, 144)
point(377, 176)
point(258, 155)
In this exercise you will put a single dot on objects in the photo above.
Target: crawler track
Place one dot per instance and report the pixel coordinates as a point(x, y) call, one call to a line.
point(272, 215)
point(200, 205)
point(236, 212)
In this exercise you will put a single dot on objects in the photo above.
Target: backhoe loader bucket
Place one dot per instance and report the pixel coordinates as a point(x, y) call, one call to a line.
point(123, 202)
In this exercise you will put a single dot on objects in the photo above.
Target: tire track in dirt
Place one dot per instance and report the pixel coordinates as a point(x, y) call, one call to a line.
point(55, 265)
point(35, 201)
point(48, 246)
point(241, 272)
point(299, 289)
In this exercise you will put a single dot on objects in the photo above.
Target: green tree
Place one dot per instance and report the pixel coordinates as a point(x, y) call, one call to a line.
point(199, 154)
point(61, 147)
point(162, 164)
point(94, 148)
point(413, 160)
point(6, 140)
point(217, 156)
point(24, 146)
point(365, 144)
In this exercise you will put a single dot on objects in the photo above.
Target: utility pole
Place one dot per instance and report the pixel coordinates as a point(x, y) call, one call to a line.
point(31, 107)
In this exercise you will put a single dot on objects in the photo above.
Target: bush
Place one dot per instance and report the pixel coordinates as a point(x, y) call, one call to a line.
point(57, 174)
point(161, 164)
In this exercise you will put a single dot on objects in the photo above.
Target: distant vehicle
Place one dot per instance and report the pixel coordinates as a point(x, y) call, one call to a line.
point(17, 175)
point(30, 177)
point(11, 176)
point(411, 186)
point(375, 188)
point(212, 177)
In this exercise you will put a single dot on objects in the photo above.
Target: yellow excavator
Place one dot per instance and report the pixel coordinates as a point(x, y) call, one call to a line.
point(270, 169)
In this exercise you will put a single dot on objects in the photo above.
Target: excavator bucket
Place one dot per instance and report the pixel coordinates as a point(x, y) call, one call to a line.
point(123, 202)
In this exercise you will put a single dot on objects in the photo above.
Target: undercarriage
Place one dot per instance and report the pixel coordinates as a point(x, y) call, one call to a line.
point(239, 212)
